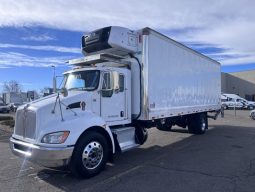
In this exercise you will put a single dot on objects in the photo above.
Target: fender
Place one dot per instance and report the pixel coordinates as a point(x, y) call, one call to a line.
point(77, 125)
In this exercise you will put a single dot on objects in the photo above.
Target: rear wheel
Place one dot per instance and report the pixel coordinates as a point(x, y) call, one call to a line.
point(198, 123)
point(90, 155)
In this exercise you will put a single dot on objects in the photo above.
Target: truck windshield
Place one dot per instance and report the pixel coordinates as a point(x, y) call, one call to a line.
point(82, 80)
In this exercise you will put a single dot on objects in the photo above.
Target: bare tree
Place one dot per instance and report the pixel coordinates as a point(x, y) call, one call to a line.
point(12, 86)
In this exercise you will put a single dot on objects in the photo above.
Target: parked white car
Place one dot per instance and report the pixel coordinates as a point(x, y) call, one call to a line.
point(14, 106)
point(233, 100)
point(4, 108)
point(230, 103)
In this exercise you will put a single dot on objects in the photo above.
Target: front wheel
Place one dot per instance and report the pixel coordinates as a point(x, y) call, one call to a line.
point(90, 155)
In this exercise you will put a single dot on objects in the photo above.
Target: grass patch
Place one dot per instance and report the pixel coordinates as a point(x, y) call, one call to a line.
point(9, 123)
point(6, 118)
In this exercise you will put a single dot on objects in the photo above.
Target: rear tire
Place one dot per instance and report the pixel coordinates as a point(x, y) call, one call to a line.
point(198, 123)
point(90, 155)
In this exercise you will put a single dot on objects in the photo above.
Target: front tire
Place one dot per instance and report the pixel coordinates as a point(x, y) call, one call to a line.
point(198, 123)
point(90, 155)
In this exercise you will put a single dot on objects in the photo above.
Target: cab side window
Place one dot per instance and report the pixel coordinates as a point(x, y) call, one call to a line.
point(107, 87)
point(113, 82)
point(121, 82)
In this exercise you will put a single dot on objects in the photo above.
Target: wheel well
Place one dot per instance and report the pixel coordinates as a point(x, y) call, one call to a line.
point(101, 131)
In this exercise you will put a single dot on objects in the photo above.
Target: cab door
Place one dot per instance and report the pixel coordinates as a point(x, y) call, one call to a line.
point(113, 97)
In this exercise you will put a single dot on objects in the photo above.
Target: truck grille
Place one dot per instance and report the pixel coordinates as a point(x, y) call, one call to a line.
point(25, 124)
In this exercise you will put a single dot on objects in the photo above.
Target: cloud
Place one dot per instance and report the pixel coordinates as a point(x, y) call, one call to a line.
point(228, 24)
point(11, 59)
point(43, 48)
point(27, 84)
point(40, 38)
point(4, 67)
point(82, 15)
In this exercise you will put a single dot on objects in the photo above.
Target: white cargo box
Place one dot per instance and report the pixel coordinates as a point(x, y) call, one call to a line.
point(176, 80)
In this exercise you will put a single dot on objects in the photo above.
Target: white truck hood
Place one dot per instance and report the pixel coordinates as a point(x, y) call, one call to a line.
point(73, 96)
point(43, 116)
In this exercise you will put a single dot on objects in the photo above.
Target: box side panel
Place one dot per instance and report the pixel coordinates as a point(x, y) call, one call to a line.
point(179, 80)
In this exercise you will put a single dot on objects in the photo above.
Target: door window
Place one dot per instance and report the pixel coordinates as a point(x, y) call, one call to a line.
point(107, 87)
point(113, 82)
point(121, 83)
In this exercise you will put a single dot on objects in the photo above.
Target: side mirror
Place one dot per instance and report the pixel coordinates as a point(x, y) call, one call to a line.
point(64, 92)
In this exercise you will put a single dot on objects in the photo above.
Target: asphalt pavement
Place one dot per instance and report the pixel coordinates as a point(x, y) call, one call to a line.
point(223, 159)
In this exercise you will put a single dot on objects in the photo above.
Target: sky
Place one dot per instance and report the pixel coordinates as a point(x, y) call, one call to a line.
point(34, 35)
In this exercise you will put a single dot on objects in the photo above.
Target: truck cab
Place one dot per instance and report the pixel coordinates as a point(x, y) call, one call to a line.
point(86, 122)
point(109, 91)
point(92, 100)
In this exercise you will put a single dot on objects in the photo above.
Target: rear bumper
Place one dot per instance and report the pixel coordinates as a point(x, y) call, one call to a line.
point(46, 156)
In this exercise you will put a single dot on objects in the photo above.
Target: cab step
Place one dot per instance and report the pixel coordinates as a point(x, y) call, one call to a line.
point(126, 138)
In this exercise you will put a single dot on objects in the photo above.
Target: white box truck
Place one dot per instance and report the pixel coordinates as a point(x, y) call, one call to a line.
point(127, 82)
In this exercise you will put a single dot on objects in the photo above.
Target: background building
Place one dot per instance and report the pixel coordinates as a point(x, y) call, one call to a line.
point(240, 83)
point(20, 97)
point(13, 97)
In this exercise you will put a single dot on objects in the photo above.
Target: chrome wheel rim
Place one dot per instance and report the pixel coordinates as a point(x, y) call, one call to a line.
point(92, 155)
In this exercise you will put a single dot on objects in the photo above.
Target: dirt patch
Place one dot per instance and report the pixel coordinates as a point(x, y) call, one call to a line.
point(7, 123)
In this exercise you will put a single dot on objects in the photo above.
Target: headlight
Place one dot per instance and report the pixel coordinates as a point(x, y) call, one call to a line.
point(55, 138)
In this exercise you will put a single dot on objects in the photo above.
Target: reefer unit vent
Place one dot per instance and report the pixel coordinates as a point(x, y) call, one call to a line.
point(115, 40)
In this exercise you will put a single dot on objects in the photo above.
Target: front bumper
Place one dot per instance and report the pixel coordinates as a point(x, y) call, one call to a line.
point(46, 156)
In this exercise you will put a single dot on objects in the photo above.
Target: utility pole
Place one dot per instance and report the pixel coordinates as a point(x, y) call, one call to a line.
point(54, 79)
